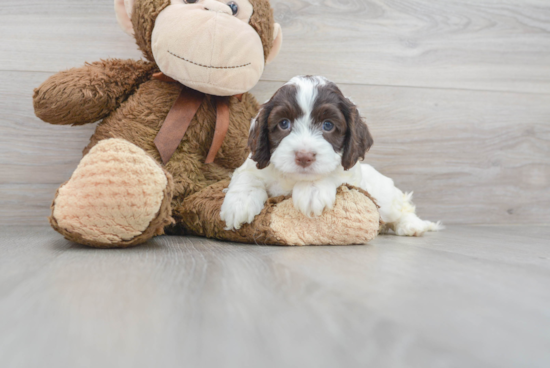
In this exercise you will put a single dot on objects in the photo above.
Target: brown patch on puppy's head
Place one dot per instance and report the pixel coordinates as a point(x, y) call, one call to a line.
point(330, 105)
point(350, 135)
point(265, 134)
point(332, 115)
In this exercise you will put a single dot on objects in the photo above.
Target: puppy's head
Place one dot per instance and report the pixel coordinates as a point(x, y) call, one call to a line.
point(308, 128)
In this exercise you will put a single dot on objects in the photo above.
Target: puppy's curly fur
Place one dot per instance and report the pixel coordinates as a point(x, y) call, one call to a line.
point(307, 140)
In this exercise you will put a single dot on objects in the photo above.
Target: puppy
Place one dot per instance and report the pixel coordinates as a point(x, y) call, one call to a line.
point(307, 141)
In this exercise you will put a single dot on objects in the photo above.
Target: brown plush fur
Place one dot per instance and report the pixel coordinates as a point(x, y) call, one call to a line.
point(85, 95)
point(262, 21)
point(133, 107)
point(200, 215)
point(139, 119)
point(143, 18)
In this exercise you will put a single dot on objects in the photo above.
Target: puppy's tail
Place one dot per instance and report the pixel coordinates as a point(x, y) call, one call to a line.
point(434, 226)
point(409, 224)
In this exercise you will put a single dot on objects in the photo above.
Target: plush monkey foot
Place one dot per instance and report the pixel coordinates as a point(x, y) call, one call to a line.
point(354, 219)
point(117, 197)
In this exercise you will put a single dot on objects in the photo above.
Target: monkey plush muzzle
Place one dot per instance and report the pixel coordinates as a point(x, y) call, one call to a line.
point(207, 48)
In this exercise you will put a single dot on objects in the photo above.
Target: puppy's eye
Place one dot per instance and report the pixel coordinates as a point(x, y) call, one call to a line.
point(233, 6)
point(284, 124)
point(189, 1)
point(328, 126)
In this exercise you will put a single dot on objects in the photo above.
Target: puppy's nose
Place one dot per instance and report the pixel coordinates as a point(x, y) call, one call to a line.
point(304, 158)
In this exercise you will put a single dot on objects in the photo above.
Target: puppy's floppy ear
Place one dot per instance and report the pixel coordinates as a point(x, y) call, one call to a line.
point(258, 139)
point(358, 139)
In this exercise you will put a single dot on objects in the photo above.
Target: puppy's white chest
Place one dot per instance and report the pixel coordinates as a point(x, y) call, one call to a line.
point(280, 187)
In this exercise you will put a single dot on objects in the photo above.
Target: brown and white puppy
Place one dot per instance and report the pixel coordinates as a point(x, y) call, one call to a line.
point(307, 141)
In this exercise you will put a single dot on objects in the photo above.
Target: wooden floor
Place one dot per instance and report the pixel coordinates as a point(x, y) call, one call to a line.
point(466, 297)
point(457, 96)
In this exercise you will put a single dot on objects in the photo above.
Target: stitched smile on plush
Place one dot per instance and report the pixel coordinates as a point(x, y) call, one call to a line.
point(226, 56)
point(208, 66)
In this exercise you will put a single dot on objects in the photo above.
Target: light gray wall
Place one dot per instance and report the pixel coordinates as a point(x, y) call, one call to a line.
point(456, 94)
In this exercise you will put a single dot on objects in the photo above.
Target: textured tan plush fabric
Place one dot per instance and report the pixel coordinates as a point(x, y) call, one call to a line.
point(114, 195)
point(139, 119)
point(123, 10)
point(354, 219)
point(199, 215)
point(231, 60)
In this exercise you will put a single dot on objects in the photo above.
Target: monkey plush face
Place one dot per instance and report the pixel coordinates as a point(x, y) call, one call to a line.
point(216, 47)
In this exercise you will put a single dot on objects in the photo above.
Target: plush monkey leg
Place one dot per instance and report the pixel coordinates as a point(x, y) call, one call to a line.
point(354, 219)
point(117, 197)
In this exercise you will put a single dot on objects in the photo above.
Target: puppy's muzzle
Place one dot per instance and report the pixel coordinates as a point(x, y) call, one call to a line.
point(304, 158)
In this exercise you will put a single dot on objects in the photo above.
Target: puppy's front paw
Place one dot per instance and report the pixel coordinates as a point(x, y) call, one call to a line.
point(312, 198)
point(240, 208)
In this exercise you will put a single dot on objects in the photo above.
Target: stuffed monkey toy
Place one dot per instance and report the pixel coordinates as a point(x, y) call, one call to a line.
point(174, 127)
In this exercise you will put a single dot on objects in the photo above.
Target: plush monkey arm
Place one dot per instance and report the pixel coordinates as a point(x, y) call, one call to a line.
point(354, 219)
point(85, 95)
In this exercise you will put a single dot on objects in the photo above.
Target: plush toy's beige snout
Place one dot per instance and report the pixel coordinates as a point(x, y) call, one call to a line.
point(233, 60)
point(207, 45)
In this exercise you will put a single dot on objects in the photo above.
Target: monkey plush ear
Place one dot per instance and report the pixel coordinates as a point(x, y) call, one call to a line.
point(124, 9)
point(277, 42)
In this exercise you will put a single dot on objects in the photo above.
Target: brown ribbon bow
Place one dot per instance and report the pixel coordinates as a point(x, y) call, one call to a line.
point(178, 119)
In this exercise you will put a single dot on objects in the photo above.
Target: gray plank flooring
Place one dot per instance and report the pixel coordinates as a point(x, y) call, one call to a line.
point(457, 95)
point(471, 296)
